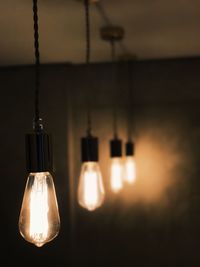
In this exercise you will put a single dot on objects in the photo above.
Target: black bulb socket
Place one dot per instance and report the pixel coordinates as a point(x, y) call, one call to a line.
point(89, 149)
point(115, 148)
point(130, 149)
point(38, 152)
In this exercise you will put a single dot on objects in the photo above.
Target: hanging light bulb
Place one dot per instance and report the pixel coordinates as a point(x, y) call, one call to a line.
point(129, 162)
point(39, 220)
point(90, 189)
point(113, 34)
point(116, 175)
point(130, 165)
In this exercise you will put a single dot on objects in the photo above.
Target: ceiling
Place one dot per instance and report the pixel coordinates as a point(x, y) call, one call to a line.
point(153, 29)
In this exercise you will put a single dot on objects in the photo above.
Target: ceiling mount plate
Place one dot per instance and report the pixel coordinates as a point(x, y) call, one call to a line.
point(112, 33)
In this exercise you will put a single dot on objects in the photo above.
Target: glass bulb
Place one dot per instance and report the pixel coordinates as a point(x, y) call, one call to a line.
point(130, 170)
point(90, 189)
point(116, 174)
point(39, 220)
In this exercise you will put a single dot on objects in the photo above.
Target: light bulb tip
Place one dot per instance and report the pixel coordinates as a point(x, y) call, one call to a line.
point(39, 245)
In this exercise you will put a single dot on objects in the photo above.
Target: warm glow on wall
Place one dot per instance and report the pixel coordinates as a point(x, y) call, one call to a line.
point(156, 166)
point(158, 158)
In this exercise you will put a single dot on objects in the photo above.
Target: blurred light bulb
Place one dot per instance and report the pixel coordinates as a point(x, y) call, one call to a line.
point(39, 220)
point(130, 170)
point(90, 190)
point(116, 174)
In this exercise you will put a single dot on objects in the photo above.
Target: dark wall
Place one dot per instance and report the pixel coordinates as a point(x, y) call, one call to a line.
point(154, 223)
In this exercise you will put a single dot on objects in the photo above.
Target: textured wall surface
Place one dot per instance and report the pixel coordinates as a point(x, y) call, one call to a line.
point(171, 32)
point(154, 223)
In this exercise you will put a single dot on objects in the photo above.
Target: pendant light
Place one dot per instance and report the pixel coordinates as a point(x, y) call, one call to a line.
point(113, 34)
point(39, 220)
point(90, 188)
point(129, 164)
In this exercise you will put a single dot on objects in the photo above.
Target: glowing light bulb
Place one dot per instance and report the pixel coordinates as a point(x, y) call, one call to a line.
point(116, 175)
point(39, 220)
point(130, 170)
point(90, 190)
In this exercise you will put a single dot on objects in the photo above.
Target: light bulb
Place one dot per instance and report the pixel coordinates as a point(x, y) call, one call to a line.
point(130, 170)
point(90, 189)
point(116, 174)
point(39, 220)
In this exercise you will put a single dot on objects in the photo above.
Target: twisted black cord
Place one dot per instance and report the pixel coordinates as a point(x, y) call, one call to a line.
point(37, 63)
point(113, 58)
point(88, 41)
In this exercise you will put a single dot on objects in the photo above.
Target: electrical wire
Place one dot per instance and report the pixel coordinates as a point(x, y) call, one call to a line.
point(113, 59)
point(87, 59)
point(130, 102)
point(37, 124)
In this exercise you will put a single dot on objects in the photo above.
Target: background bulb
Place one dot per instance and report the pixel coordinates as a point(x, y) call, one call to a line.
point(39, 220)
point(130, 170)
point(90, 189)
point(116, 174)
